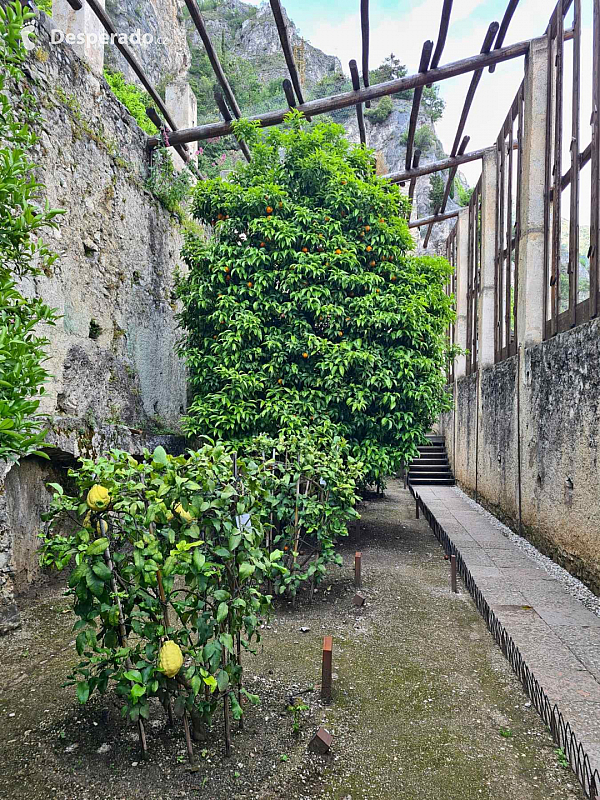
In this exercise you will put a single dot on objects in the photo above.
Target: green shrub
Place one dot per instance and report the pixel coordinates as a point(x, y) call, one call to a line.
point(306, 307)
point(463, 193)
point(424, 138)
point(135, 100)
point(437, 187)
point(169, 187)
point(23, 255)
point(381, 111)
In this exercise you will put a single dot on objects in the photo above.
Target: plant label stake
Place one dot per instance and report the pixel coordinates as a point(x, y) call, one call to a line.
point(416, 509)
point(453, 574)
point(326, 674)
point(358, 569)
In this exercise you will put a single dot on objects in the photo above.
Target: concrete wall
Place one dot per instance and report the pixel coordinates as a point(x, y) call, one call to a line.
point(112, 353)
point(559, 437)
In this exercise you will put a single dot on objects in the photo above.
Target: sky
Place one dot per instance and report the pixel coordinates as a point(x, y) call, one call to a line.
point(401, 27)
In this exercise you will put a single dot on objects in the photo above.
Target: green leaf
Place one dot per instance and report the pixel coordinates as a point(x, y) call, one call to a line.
point(97, 547)
point(246, 570)
point(222, 612)
point(222, 680)
point(133, 675)
point(137, 691)
point(159, 456)
point(83, 692)
point(102, 571)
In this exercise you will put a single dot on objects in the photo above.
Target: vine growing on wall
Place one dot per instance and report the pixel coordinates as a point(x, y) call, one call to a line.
point(23, 254)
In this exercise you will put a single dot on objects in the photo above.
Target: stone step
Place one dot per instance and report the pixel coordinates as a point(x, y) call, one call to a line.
point(433, 481)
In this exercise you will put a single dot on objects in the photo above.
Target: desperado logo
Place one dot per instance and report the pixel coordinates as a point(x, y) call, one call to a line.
point(26, 32)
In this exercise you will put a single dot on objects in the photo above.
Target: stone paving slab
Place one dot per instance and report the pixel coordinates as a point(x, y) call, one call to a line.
point(558, 637)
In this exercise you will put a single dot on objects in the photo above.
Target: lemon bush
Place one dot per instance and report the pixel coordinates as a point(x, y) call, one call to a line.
point(168, 551)
point(306, 305)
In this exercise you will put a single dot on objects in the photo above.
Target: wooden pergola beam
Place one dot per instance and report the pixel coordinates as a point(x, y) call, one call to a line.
point(416, 104)
point(225, 113)
point(286, 46)
point(108, 26)
point(451, 175)
point(443, 32)
point(508, 15)
point(359, 109)
point(417, 223)
point(413, 181)
point(486, 47)
point(152, 115)
point(435, 166)
point(288, 91)
point(364, 28)
point(198, 21)
point(326, 105)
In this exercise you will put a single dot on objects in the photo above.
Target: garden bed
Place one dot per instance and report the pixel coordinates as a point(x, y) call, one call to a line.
point(424, 705)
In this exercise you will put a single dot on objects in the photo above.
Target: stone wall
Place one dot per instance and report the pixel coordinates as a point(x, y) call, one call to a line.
point(112, 352)
point(547, 400)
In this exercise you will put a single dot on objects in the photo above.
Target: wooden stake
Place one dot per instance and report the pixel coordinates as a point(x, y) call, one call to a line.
point(453, 574)
point(326, 672)
point(358, 569)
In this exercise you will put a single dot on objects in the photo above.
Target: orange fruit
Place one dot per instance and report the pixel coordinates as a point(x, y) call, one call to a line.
point(367, 228)
point(369, 248)
point(372, 263)
point(269, 210)
point(338, 252)
point(226, 269)
point(280, 205)
point(280, 381)
point(305, 249)
point(378, 290)
point(393, 277)
point(249, 284)
point(304, 355)
point(219, 216)
point(341, 333)
point(262, 244)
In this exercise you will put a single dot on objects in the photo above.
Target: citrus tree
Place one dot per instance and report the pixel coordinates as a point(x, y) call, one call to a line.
point(306, 304)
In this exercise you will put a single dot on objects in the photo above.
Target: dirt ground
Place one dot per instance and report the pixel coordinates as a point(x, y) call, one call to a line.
point(425, 705)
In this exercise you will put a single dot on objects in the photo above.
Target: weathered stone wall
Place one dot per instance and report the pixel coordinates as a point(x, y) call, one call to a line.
point(558, 401)
point(112, 352)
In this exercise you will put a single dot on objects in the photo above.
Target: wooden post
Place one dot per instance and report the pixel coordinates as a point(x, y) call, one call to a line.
point(416, 509)
point(453, 574)
point(326, 674)
point(358, 569)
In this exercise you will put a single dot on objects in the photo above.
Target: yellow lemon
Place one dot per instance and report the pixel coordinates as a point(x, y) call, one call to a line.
point(98, 498)
point(170, 659)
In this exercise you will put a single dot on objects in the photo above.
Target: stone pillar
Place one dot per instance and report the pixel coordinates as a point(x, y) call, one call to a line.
point(530, 309)
point(462, 267)
point(82, 24)
point(487, 291)
point(182, 105)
